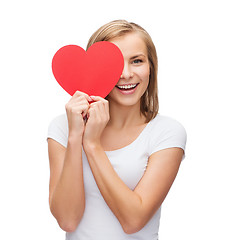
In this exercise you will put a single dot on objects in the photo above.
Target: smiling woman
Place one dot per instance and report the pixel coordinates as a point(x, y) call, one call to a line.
point(135, 76)
point(120, 28)
point(110, 174)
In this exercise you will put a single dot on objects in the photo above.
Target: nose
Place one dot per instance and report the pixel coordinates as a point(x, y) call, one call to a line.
point(126, 73)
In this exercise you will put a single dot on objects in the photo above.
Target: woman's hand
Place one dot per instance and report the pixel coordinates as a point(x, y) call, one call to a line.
point(98, 117)
point(77, 109)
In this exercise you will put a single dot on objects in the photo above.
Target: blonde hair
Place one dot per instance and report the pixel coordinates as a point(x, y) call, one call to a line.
point(149, 101)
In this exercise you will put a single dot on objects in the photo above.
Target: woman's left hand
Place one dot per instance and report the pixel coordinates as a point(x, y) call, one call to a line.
point(98, 117)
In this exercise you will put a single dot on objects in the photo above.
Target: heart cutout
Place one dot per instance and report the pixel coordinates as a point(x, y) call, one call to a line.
point(95, 71)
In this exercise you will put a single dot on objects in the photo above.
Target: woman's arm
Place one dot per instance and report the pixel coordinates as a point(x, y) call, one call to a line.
point(135, 208)
point(132, 208)
point(66, 193)
point(66, 189)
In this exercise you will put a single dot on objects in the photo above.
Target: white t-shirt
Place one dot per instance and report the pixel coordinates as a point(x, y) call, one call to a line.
point(130, 162)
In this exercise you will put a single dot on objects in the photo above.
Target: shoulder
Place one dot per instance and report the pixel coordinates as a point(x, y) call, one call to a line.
point(59, 120)
point(165, 124)
point(58, 129)
point(165, 132)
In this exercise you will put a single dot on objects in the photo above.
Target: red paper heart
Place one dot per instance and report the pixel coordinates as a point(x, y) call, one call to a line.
point(94, 72)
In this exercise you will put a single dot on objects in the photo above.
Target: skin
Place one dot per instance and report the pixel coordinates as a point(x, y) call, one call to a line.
point(102, 133)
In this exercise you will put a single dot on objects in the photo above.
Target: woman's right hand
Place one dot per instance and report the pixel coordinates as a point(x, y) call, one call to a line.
point(76, 110)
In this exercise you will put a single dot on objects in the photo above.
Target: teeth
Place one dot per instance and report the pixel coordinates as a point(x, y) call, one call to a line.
point(127, 86)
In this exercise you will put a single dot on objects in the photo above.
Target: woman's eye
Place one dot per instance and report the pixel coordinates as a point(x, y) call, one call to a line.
point(136, 61)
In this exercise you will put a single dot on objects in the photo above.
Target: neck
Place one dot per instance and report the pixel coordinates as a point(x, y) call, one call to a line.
point(124, 117)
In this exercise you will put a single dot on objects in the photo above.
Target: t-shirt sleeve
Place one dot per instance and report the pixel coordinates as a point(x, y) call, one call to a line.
point(167, 133)
point(58, 129)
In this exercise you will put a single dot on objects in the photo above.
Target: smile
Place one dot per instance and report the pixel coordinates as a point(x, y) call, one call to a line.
point(127, 89)
point(127, 86)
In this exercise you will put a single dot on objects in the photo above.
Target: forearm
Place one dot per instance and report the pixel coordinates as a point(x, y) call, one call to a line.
point(68, 200)
point(124, 203)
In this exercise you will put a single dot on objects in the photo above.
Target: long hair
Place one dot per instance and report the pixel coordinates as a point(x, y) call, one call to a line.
point(149, 101)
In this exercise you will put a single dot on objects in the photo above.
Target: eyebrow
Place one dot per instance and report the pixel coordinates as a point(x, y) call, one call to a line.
point(138, 55)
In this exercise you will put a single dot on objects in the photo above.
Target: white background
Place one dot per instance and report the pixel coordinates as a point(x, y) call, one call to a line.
point(198, 45)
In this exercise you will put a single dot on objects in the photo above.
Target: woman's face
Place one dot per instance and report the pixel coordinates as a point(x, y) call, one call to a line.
point(135, 76)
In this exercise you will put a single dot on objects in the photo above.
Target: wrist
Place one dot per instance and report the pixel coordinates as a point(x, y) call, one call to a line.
point(90, 146)
point(75, 137)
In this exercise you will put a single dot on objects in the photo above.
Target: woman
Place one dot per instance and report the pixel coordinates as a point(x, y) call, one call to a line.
point(110, 175)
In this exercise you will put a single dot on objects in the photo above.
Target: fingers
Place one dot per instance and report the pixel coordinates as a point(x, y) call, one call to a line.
point(79, 93)
point(82, 103)
point(100, 108)
point(97, 98)
point(101, 102)
point(78, 104)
